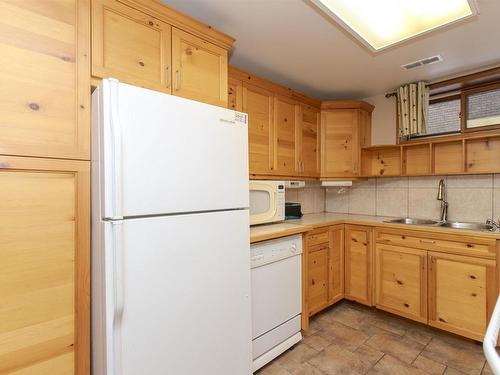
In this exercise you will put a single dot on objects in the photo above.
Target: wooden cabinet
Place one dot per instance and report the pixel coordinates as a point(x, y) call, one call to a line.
point(336, 264)
point(283, 127)
point(401, 281)
point(308, 141)
point(145, 45)
point(130, 45)
point(345, 129)
point(462, 293)
point(199, 69)
point(44, 100)
point(285, 136)
point(259, 104)
point(358, 264)
point(44, 266)
point(323, 270)
point(317, 264)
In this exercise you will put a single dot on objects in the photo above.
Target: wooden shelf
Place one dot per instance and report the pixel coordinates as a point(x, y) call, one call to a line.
point(466, 154)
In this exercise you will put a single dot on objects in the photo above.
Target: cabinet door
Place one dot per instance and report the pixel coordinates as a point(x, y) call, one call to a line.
point(340, 151)
point(317, 279)
point(258, 103)
point(401, 281)
point(285, 132)
point(462, 293)
point(199, 68)
point(358, 264)
point(309, 141)
point(235, 94)
point(130, 45)
point(336, 264)
point(44, 96)
point(44, 266)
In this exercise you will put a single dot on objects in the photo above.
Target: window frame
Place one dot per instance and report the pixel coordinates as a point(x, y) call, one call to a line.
point(463, 107)
point(459, 93)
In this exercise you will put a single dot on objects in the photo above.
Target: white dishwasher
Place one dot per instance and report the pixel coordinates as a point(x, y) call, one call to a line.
point(276, 297)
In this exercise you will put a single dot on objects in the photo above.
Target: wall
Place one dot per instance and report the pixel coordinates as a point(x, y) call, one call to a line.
point(471, 198)
point(311, 198)
point(383, 120)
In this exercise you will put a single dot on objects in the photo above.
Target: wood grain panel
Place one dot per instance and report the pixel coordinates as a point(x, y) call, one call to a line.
point(401, 281)
point(309, 141)
point(358, 264)
point(45, 97)
point(285, 121)
point(258, 103)
point(462, 292)
point(130, 45)
point(199, 69)
point(44, 253)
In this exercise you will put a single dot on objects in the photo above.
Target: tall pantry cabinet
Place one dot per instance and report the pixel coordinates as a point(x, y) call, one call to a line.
point(44, 179)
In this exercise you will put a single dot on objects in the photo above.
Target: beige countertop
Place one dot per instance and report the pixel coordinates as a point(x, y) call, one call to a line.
point(312, 221)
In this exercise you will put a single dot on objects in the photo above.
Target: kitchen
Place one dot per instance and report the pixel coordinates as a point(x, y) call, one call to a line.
point(134, 130)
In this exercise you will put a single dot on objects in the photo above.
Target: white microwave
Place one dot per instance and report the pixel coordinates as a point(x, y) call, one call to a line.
point(267, 201)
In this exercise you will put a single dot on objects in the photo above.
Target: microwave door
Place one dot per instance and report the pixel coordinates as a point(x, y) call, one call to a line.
point(262, 203)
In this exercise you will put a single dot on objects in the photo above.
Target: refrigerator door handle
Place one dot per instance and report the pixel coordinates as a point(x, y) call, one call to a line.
point(116, 192)
point(118, 279)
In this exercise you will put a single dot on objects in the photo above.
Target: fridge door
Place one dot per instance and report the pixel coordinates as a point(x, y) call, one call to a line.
point(178, 295)
point(161, 154)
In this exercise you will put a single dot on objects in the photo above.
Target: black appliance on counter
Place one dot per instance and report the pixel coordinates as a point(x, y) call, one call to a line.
point(293, 210)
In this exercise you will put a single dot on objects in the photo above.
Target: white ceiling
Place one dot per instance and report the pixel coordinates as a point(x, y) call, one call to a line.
point(291, 42)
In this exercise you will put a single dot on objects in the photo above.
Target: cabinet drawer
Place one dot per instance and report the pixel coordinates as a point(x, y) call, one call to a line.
point(317, 238)
point(447, 243)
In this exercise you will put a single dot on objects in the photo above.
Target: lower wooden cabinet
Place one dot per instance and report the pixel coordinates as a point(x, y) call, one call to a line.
point(462, 293)
point(358, 264)
point(401, 281)
point(324, 269)
point(336, 264)
point(317, 264)
point(44, 266)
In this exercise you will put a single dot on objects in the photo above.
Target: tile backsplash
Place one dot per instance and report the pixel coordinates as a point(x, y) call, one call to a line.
point(311, 197)
point(471, 197)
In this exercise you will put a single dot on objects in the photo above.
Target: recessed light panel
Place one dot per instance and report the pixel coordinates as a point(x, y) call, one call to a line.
point(383, 23)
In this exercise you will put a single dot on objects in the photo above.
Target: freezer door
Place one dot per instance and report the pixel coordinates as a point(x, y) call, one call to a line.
point(180, 300)
point(162, 154)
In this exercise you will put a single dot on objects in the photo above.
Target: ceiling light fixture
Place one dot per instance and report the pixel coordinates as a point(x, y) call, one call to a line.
point(379, 24)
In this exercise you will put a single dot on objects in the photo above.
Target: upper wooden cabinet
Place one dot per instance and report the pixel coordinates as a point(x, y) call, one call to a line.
point(308, 148)
point(45, 95)
point(345, 128)
point(285, 136)
point(259, 104)
point(358, 255)
point(283, 127)
point(148, 44)
point(130, 45)
point(199, 69)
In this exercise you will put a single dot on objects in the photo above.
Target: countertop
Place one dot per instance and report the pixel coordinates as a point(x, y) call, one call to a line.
point(312, 221)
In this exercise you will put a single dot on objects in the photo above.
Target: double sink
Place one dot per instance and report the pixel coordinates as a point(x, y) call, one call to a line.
point(446, 224)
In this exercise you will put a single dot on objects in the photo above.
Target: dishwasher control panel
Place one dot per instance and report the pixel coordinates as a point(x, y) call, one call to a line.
point(273, 250)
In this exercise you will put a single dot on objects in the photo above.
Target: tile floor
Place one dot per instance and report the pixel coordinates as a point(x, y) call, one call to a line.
point(349, 338)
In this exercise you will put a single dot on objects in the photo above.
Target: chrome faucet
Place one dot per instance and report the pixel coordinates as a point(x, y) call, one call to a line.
point(444, 204)
point(493, 223)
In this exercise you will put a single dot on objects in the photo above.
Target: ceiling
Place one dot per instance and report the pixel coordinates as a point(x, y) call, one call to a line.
point(292, 43)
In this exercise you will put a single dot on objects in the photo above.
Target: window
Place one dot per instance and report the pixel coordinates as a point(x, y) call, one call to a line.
point(483, 108)
point(443, 117)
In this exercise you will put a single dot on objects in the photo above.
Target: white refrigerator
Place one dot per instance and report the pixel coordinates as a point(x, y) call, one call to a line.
point(170, 236)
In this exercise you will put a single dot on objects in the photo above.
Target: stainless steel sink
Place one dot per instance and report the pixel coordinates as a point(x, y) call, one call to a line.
point(411, 221)
point(470, 226)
